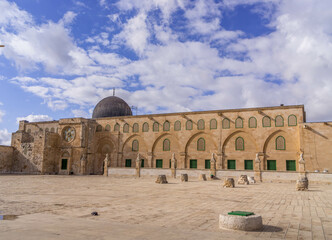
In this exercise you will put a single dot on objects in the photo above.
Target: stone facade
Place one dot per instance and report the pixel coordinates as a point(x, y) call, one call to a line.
point(254, 140)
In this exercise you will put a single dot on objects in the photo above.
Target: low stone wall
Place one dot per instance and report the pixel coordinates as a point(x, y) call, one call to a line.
point(6, 159)
point(194, 174)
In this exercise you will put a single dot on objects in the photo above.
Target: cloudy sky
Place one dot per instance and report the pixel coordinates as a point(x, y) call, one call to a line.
point(62, 57)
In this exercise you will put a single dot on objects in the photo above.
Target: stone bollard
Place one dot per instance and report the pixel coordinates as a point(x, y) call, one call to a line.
point(229, 183)
point(161, 179)
point(202, 177)
point(243, 223)
point(184, 177)
point(243, 180)
point(302, 184)
point(251, 180)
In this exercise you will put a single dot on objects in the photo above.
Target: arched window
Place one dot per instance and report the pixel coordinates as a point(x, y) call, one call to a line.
point(239, 123)
point(135, 146)
point(189, 125)
point(107, 128)
point(252, 122)
point(266, 121)
point(99, 128)
point(225, 123)
point(200, 124)
point(213, 124)
point(126, 128)
point(166, 145)
point(47, 130)
point(279, 121)
point(145, 127)
point(201, 144)
point(177, 126)
point(135, 127)
point(280, 143)
point(239, 144)
point(116, 127)
point(155, 127)
point(166, 126)
point(292, 121)
point(52, 130)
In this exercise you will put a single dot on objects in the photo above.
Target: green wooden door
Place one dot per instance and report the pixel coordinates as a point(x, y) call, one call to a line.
point(207, 164)
point(64, 163)
point(231, 164)
point(128, 163)
point(193, 163)
point(290, 165)
point(248, 164)
point(271, 165)
point(159, 163)
point(142, 162)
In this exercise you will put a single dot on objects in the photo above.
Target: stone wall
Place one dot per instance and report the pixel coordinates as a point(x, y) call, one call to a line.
point(317, 146)
point(6, 159)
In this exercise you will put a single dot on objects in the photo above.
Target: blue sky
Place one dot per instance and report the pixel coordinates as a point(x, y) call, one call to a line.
point(62, 57)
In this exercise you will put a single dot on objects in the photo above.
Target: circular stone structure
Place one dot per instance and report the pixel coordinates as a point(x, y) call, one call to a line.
point(243, 223)
point(111, 107)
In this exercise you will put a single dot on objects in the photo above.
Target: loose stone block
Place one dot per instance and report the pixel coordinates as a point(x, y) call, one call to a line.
point(161, 179)
point(302, 184)
point(243, 223)
point(184, 177)
point(229, 183)
point(202, 177)
point(243, 180)
point(251, 180)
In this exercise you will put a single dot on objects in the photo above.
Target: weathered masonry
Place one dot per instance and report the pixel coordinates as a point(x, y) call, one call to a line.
point(267, 139)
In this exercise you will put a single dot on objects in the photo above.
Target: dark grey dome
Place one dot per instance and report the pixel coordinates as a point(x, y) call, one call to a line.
point(111, 107)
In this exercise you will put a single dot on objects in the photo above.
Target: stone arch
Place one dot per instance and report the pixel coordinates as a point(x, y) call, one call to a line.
point(128, 153)
point(192, 153)
point(158, 152)
point(280, 156)
point(231, 153)
point(104, 146)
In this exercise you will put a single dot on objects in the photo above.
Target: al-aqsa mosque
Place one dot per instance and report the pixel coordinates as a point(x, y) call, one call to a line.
point(270, 142)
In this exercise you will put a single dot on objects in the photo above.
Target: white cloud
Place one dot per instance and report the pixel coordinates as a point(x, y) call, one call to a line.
point(5, 137)
point(2, 113)
point(34, 118)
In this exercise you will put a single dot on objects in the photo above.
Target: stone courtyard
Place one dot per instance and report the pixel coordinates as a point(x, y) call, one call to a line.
point(59, 207)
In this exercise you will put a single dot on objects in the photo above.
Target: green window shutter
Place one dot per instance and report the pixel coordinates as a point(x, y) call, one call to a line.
point(248, 164)
point(64, 164)
point(231, 164)
point(207, 164)
point(159, 163)
point(142, 162)
point(128, 163)
point(271, 165)
point(193, 163)
point(290, 165)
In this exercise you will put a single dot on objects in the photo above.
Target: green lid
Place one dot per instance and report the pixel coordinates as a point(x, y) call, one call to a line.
point(241, 213)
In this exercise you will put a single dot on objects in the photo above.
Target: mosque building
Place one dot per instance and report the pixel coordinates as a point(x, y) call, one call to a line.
point(261, 140)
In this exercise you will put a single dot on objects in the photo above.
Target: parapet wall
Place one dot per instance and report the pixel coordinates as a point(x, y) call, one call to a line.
point(6, 159)
point(267, 176)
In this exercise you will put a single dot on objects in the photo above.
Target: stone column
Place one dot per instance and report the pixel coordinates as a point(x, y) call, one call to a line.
point(183, 158)
point(173, 165)
point(106, 160)
point(83, 164)
point(150, 159)
point(219, 161)
point(138, 166)
point(257, 168)
point(213, 165)
point(301, 165)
